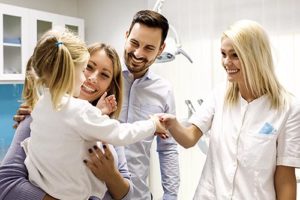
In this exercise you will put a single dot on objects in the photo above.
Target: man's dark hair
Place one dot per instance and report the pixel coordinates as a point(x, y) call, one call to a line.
point(151, 19)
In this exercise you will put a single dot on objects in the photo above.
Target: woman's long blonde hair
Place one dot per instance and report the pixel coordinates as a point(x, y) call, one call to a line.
point(116, 86)
point(251, 44)
point(54, 59)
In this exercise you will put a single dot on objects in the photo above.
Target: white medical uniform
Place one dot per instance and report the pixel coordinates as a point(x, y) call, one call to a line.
point(247, 141)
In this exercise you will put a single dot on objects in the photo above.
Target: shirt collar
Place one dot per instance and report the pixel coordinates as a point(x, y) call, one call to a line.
point(262, 98)
point(149, 74)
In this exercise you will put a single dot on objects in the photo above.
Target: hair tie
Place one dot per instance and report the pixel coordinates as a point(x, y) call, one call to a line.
point(58, 43)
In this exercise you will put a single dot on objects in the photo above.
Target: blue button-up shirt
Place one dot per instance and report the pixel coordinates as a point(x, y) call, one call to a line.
point(142, 97)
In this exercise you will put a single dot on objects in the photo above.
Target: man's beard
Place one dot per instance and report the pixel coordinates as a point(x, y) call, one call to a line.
point(132, 67)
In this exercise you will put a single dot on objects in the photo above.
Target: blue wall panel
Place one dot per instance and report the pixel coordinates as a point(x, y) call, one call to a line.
point(10, 96)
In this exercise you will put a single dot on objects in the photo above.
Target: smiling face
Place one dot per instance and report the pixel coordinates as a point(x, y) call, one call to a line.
point(143, 45)
point(231, 61)
point(99, 75)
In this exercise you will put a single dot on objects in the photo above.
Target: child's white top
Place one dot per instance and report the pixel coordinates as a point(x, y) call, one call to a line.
point(60, 140)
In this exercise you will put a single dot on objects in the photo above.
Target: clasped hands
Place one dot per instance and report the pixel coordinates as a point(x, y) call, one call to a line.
point(163, 122)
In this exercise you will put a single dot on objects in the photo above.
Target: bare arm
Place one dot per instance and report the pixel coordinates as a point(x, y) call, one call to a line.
point(185, 136)
point(285, 183)
point(117, 185)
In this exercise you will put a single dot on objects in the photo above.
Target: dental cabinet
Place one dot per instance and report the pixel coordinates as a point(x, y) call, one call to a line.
point(20, 28)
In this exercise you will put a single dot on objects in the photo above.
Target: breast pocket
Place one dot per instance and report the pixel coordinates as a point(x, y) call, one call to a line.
point(151, 109)
point(260, 150)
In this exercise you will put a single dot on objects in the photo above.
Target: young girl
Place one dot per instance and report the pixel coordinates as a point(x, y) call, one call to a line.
point(254, 124)
point(64, 126)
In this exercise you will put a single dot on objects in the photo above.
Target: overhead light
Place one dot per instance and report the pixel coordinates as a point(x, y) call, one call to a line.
point(173, 44)
point(169, 52)
point(173, 48)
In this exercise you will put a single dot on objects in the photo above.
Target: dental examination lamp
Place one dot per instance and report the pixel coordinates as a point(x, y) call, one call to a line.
point(190, 106)
point(200, 101)
point(173, 45)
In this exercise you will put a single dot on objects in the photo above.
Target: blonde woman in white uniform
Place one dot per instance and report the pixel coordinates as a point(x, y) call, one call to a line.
point(254, 125)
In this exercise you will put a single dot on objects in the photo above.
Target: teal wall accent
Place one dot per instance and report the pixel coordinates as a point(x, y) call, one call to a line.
point(10, 96)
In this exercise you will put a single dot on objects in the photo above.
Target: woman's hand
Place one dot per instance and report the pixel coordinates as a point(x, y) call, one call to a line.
point(103, 167)
point(101, 163)
point(107, 105)
point(21, 114)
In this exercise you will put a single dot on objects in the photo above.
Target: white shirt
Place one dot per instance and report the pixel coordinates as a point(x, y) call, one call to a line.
point(247, 141)
point(59, 142)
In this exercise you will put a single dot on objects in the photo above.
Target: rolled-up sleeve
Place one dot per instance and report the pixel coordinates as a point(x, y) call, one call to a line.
point(168, 157)
point(169, 166)
point(204, 116)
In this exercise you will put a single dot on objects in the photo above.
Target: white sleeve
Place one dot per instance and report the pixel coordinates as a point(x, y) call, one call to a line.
point(92, 125)
point(204, 115)
point(288, 150)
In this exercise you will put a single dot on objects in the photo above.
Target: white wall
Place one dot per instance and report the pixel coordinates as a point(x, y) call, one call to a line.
point(65, 7)
point(108, 21)
point(199, 24)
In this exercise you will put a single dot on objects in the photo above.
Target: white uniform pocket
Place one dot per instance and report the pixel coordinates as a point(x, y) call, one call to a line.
point(259, 150)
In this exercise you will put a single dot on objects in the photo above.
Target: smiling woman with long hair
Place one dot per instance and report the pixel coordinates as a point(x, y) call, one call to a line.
point(253, 124)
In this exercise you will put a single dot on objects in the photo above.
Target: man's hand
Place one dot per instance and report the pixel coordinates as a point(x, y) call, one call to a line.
point(21, 114)
point(107, 105)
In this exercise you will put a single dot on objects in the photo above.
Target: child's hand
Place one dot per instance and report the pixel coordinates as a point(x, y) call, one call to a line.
point(107, 105)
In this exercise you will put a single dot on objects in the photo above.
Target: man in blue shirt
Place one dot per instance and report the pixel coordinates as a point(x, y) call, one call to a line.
point(145, 93)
